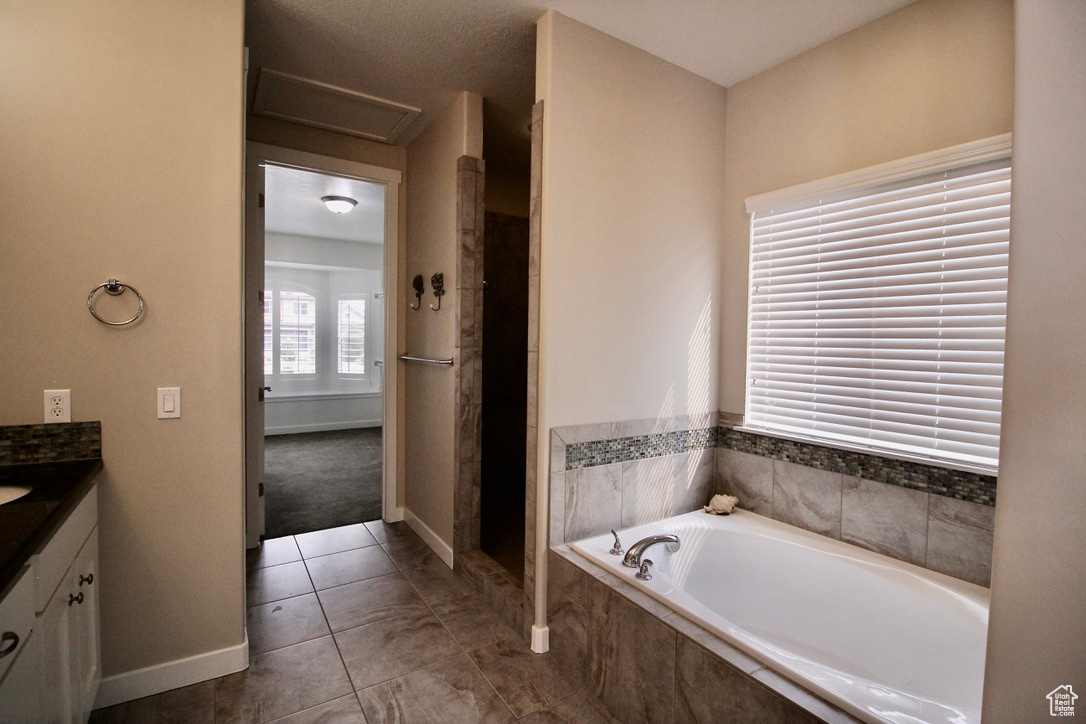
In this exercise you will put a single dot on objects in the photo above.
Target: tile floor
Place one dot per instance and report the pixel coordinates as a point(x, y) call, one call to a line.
point(365, 623)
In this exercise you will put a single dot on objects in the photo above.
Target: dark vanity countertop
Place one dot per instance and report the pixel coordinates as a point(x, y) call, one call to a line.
point(27, 523)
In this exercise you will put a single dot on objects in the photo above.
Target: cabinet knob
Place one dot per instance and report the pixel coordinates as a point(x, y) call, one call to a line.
point(75, 599)
point(88, 579)
point(13, 638)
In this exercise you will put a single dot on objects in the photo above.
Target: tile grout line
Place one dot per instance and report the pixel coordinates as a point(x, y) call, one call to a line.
point(462, 650)
point(335, 642)
point(314, 592)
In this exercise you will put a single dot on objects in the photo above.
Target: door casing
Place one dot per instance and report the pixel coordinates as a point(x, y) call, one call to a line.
point(256, 157)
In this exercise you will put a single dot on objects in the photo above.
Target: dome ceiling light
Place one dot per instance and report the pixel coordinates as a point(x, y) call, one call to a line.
point(338, 204)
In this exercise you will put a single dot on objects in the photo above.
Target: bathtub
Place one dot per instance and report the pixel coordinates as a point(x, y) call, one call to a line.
point(884, 640)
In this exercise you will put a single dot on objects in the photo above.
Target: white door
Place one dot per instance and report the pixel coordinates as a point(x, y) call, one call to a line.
point(253, 315)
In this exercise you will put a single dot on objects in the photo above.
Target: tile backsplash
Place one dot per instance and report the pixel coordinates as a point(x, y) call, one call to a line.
point(615, 475)
point(58, 442)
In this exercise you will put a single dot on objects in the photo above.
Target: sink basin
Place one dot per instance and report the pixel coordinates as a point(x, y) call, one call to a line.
point(9, 493)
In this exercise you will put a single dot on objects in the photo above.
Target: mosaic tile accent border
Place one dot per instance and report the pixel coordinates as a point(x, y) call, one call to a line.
point(959, 484)
point(962, 485)
point(22, 444)
point(625, 449)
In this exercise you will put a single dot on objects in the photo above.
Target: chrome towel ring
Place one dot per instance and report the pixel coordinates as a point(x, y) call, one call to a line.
point(115, 288)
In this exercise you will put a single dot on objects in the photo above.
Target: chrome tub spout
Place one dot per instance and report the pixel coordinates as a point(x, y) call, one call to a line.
point(632, 559)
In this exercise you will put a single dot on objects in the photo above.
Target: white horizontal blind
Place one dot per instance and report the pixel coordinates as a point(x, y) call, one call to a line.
point(877, 316)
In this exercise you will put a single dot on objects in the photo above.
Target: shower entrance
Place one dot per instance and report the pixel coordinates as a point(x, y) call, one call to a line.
point(505, 390)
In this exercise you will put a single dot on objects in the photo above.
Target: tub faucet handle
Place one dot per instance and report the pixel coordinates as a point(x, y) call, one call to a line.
point(616, 549)
point(643, 574)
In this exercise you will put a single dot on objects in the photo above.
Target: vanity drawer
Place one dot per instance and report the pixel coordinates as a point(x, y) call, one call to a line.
point(56, 556)
point(16, 618)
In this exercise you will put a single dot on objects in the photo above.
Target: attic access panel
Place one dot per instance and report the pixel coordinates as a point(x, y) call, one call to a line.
point(312, 103)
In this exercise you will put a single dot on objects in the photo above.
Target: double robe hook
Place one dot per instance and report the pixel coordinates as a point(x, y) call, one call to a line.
point(437, 281)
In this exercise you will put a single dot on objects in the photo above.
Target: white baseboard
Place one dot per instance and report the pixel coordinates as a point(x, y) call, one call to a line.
point(541, 639)
point(320, 427)
point(137, 684)
point(443, 549)
point(396, 515)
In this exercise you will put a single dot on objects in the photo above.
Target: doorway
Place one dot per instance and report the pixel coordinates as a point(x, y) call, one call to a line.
point(322, 410)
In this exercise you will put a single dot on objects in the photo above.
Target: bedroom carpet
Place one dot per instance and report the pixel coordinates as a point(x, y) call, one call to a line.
point(319, 480)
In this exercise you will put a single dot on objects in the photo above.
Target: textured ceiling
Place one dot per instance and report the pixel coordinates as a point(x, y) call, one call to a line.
point(293, 206)
point(423, 52)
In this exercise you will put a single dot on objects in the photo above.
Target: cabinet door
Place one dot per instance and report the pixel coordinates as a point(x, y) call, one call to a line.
point(86, 648)
point(22, 697)
point(57, 621)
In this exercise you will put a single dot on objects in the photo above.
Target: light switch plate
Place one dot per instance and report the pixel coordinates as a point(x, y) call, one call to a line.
point(169, 402)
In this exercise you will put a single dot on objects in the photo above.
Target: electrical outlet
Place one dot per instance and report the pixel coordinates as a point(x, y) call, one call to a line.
point(58, 406)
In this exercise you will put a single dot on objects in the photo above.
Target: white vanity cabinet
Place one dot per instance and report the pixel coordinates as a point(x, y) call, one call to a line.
point(49, 620)
point(22, 665)
point(67, 614)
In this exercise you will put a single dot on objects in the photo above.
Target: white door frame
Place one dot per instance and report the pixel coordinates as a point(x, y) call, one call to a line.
point(258, 154)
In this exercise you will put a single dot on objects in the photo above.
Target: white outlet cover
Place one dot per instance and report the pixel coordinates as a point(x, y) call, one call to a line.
point(57, 406)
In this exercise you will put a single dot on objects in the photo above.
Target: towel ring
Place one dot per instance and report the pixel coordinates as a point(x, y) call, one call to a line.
point(114, 288)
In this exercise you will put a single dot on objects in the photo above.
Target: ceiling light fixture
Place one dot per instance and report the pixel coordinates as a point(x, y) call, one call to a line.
point(338, 204)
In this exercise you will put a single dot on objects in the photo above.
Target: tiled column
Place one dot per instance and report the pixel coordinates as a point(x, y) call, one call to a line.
point(470, 179)
point(532, 456)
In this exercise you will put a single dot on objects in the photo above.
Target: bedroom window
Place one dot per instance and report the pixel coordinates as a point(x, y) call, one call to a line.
point(877, 308)
point(290, 337)
point(351, 336)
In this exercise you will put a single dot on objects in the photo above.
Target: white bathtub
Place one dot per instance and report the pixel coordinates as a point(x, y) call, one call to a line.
point(884, 640)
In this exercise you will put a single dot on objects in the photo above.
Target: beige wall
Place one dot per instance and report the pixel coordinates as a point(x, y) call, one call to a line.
point(633, 167)
point(1037, 631)
point(431, 247)
point(632, 177)
point(285, 134)
point(934, 74)
point(122, 157)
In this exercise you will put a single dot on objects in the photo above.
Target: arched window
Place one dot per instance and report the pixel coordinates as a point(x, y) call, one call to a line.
point(290, 332)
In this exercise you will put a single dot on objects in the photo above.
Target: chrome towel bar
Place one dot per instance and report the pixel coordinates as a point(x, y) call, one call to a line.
point(426, 360)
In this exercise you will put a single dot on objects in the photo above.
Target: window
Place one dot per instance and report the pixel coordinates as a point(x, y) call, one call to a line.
point(878, 306)
point(351, 336)
point(290, 338)
point(322, 329)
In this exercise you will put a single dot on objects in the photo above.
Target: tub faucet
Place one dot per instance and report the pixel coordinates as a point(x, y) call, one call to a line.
point(632, 559)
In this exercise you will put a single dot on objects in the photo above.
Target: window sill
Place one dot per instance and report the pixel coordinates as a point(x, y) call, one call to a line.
point(316, 395)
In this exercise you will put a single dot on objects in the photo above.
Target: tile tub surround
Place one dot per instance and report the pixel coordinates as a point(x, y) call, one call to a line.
point(59, 442)
point(614, 475)
point(649, 664)
point(940, 533)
